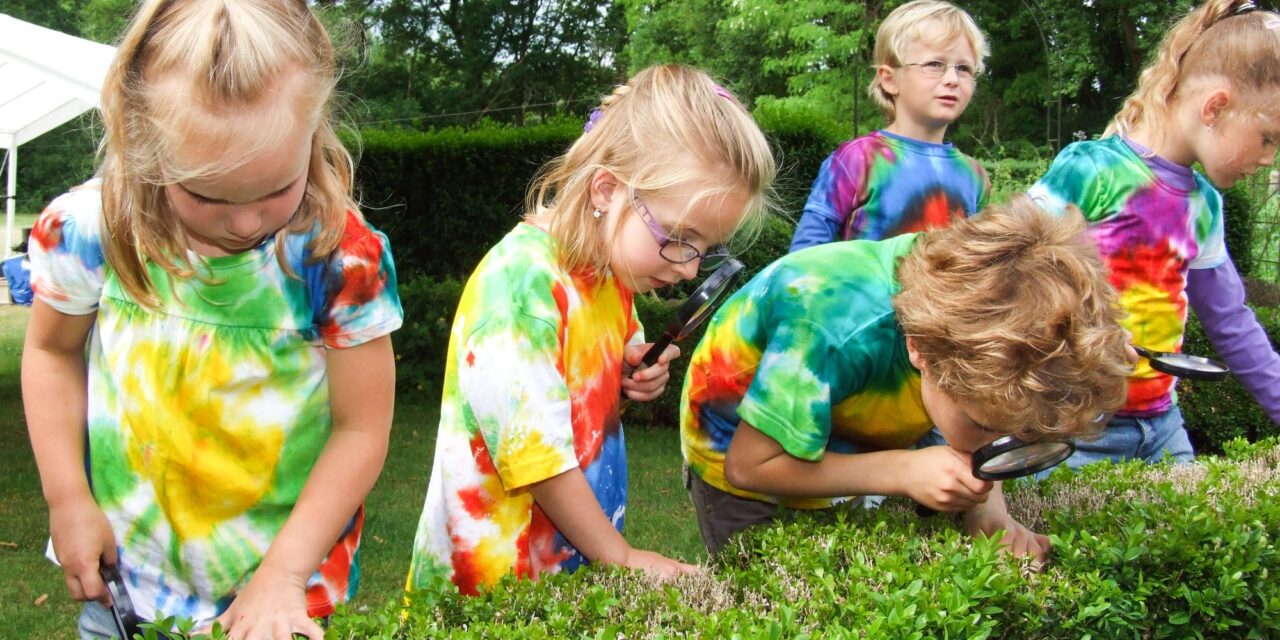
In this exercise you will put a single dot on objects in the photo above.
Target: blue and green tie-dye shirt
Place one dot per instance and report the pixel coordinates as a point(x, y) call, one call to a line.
point(882, 185)
point(810, 353)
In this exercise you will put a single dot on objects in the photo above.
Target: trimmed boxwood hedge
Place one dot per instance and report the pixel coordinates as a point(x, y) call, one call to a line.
point(1138, 551)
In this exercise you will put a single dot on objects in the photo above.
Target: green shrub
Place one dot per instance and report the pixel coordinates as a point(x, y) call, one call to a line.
point(423, 342)
point(1238, 223)
point(1138, 551)
point(444, 197)
point(1216, 412)
point(1010, 176)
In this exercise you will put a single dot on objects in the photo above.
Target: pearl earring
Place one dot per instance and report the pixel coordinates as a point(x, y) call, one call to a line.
point(596, 214)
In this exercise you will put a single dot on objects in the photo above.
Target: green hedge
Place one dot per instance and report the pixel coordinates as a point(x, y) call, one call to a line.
point(1217, 412)
point(444, 197)
point(1138, 551)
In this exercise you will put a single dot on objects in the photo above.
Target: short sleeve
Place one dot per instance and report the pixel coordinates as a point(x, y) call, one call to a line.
point(509, 379)
point(790, 398)
point(66, 252)
point(353, 293)
point(1072, 179)
point(1209, 230)
point(635, 330)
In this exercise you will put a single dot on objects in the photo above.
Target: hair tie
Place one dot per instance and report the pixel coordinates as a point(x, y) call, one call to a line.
point(1246, 7)
point(592, 119)
point(723, 93)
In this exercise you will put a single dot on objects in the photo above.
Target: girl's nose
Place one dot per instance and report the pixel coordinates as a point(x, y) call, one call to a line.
point(688, 270)
point(245, 223)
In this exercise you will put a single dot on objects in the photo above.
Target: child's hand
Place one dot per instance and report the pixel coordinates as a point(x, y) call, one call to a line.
point(656, 565)
point(82, 541)
point(1015, 538)
point(647, 383)
point(942, 479)
point(273, 605)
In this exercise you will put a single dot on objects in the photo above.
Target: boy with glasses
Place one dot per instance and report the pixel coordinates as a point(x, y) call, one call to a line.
point(904, 177)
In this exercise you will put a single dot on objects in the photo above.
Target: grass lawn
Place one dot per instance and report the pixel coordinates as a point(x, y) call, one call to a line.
point(659, 515)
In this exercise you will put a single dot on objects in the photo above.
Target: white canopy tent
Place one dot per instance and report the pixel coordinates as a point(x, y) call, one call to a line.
point(46, 78)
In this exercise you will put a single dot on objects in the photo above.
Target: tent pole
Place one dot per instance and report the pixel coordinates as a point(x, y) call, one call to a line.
point(10, 197)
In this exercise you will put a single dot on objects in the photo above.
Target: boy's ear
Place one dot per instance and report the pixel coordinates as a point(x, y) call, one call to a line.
point(601, 188)
point(888, 82)
point(913, 355)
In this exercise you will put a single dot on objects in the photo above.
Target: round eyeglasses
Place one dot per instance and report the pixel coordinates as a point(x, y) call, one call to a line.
point(674, 250)
point(938, 68)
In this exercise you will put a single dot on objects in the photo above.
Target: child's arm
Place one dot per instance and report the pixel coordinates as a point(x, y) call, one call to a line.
point(568, 501)
point(992, 518)
point(362, 399)
point(1217, 296)
point(54, 393)
point(940, 478)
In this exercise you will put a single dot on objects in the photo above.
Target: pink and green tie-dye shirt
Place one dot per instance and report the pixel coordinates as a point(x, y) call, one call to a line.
point(810, 353)
point(1152, 221)
point(206, 416)
point(532, 387)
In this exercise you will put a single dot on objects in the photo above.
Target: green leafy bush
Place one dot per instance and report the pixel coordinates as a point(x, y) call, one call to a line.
point(422, 344)
point(1138, 551)
point(1217, 412)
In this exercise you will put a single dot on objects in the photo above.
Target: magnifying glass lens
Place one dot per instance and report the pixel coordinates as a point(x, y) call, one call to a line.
point(1194, 364)
point(1024, 460)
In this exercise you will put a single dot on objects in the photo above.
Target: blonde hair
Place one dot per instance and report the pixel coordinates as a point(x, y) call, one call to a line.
point(1225, 39)
point(1012, 310)
point(928, 21)
point(669, 125)
point(242, 74)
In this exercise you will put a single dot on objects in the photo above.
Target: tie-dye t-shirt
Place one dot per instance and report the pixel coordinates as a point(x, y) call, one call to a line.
point(206, 416)
point(1152, 220)
point(531, 390)
point(882, 185)
point(810, 353)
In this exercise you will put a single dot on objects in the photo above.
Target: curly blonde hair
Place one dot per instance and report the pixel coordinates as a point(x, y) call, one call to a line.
point(1011, 310)
point(668, 126)
point(1227, 39)
point(229, 74)
point(929, 21)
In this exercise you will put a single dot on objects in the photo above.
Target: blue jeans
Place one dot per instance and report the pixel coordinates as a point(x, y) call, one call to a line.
point(96, 623)
point(1129, 438)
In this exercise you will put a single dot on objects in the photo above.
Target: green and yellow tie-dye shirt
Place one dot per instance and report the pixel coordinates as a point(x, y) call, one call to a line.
point(531, 390)
point(808, 352)
point(206, 416)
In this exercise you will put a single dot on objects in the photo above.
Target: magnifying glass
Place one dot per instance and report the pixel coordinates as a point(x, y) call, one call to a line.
point(693, 312)
point(126, 619)
point(1183, 365)
point(696, 309)
point(1009, 457)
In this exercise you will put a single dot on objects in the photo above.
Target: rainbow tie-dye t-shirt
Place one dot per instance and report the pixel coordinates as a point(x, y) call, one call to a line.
point(1152, 220)
point(810, 353)
point(882, 185)
point(206, 416)
point(531, 390)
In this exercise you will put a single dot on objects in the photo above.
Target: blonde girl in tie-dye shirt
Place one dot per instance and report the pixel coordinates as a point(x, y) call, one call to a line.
point(236, 308)
point(813, 380)
point(530, 470)
point(1211, 97)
